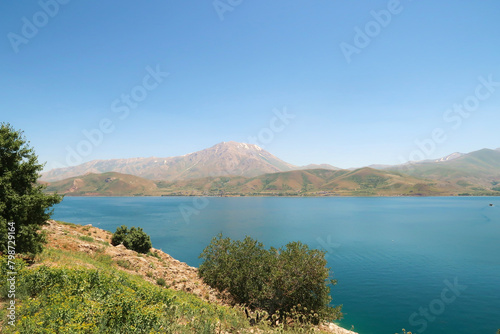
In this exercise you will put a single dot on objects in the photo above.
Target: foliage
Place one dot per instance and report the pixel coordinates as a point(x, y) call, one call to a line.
point(161, 282)
point(135, 239)
point(62, 300)
point(138, 240)
point(119, 236)
point(124, 263)
point(185, 314)
point(285, 281)
point(22, 201)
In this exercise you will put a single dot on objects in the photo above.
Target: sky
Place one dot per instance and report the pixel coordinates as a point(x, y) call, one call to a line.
point(340, 82)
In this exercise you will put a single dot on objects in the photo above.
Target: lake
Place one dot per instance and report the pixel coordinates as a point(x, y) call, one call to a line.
point(429, 265)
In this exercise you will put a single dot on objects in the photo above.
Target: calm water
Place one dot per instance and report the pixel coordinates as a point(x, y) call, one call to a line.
point(394, 258)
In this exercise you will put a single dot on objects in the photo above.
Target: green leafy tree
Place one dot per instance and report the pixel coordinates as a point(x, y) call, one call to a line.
point(299, 276)
point(287, 282)
point(119, 235)
point(239, 267)
point(24, 208)
point(135, 239)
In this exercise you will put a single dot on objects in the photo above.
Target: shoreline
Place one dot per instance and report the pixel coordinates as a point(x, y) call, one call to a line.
point(277, 196)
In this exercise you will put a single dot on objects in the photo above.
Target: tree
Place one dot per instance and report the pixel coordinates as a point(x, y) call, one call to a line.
point(138, 240)
point(119, 236)
point(300, 277)
point(24, 208)
point(287, 282)
point(240, 267)
point(134, 239)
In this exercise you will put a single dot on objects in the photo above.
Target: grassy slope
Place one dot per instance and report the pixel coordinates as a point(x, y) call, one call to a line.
point(81, 284)
point(105, 184)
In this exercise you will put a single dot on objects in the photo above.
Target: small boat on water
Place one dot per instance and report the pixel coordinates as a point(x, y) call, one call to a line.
point(491, 204)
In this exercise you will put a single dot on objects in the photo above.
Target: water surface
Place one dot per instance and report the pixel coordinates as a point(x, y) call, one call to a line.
point(393, 257)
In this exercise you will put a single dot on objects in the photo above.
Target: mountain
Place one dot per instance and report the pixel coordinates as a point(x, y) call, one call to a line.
point(475, 170)
point(238, 168)
point(227, 158)
point(450, 157)
point(106, 184)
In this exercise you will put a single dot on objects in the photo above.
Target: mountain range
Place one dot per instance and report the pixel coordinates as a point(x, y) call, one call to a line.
point(232, 168)
point(226, 158)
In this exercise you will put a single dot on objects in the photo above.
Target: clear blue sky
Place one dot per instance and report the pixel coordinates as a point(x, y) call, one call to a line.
point(227, 76)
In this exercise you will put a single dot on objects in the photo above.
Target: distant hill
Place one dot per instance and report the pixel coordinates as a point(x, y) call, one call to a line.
point(315, 182)
point(475, 171)
point(227, 158)
point(238, 168)
point(317, 166)
point(105, 184)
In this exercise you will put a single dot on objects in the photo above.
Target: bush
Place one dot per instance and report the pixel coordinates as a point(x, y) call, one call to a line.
point(134, 239)
point(24, 208)
point(124, 264)
point(284, 282)
point(119, 236)
point(137, 240)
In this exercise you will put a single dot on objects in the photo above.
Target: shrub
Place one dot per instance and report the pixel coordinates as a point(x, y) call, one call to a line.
point(124, 264)
point(135, 239)
point(119, 236)
point(161, 282)
point(285, 282)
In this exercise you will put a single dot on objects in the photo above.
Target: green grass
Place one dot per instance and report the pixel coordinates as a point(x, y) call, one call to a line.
point(71, 298)
point(86, 238)
point(124, 264)
point(64, 300)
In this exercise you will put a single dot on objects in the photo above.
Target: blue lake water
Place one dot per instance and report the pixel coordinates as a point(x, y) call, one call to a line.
point(429, 265)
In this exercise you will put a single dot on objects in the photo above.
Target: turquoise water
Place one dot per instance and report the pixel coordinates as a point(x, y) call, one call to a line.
point(394, 258)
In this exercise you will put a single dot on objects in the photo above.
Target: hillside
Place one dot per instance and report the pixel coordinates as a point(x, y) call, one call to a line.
point(360, 182)
point(106, 184)
point(316, 182)
point(81, 283)
point(242, 169)
point(473, 172)
point(227, 158)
